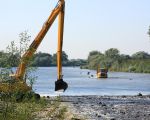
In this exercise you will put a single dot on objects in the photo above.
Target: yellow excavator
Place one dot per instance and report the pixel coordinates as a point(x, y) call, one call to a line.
point(59, 11)
point(101, 72)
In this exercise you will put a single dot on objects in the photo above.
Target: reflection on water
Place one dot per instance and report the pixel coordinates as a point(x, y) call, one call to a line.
point(80, 83)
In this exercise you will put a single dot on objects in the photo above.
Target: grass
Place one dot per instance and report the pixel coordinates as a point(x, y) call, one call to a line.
point(11, 110)
point(35, 110)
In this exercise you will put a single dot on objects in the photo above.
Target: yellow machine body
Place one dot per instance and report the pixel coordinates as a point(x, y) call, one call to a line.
point(59, 11)
point(101, 72)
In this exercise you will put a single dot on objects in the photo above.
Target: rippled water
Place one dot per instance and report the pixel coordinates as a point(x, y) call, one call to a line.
point(117, 83)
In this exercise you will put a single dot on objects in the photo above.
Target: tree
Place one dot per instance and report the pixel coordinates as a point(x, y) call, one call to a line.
point(54, 59)
point(24, 40)
point(11, 59)
point(124, 57)
point(141, 55)
point(111, 56)
point(139, 62)
point(95, 52)
point(42, 59)
point(94, 59)
point(112, 53)
point(77, 62)
point(64, 59)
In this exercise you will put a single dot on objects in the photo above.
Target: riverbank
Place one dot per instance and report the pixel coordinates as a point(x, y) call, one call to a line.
point(79, 108)
point(108, 107)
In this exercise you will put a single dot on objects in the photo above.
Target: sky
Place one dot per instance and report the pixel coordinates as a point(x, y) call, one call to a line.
point(89, 25)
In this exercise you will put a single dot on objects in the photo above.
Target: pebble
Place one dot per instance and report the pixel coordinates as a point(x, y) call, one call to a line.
point(126, 107)
point(103, 105)
point(100, 103)
point(112, 119)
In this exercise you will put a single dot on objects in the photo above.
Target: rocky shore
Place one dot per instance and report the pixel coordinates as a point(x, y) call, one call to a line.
point(109, 107)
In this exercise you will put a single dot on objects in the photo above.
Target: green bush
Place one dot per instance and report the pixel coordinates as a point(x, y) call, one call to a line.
point(114, 61)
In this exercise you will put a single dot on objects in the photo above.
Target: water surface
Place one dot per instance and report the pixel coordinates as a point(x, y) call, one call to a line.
point(117, 83)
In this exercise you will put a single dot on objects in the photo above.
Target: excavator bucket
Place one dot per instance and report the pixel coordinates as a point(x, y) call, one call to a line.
point(60, 85)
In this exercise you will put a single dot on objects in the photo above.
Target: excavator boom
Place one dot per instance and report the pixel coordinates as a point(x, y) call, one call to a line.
point(57, 11)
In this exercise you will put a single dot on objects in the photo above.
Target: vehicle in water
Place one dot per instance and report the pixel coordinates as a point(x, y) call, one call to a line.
point(102, 73)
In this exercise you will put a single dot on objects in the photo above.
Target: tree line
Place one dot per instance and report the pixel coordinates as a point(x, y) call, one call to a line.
point(46, 60)
point(114, 61)
point(39, 60)
point(111, 59)
point(11, 56)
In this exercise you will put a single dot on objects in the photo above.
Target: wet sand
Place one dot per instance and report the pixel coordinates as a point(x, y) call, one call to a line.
point(109, 107)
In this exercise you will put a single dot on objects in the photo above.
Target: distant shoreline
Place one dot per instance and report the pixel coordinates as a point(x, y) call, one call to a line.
point(93, 69)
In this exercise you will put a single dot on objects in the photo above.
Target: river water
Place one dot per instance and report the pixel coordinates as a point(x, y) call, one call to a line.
point(79, 83)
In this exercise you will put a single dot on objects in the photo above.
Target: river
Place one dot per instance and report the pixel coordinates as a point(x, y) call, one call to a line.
point(79, 83)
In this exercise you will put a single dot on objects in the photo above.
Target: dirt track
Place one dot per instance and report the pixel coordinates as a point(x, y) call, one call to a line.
point(109, 107)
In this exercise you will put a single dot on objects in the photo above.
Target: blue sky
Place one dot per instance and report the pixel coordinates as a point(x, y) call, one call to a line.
point(89, 25)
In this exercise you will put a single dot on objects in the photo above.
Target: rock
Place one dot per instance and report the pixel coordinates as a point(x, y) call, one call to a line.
point(112, 119)
point(97, 115)
point(103, 105)
point(75, 103)
point(92, 105)
point(122, 112)
point(140, 94)
point(100, 103)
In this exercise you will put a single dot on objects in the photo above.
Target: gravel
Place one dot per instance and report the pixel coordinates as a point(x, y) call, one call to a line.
point(109, 107)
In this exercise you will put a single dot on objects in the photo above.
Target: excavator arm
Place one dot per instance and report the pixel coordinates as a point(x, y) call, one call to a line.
point(57, 11)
